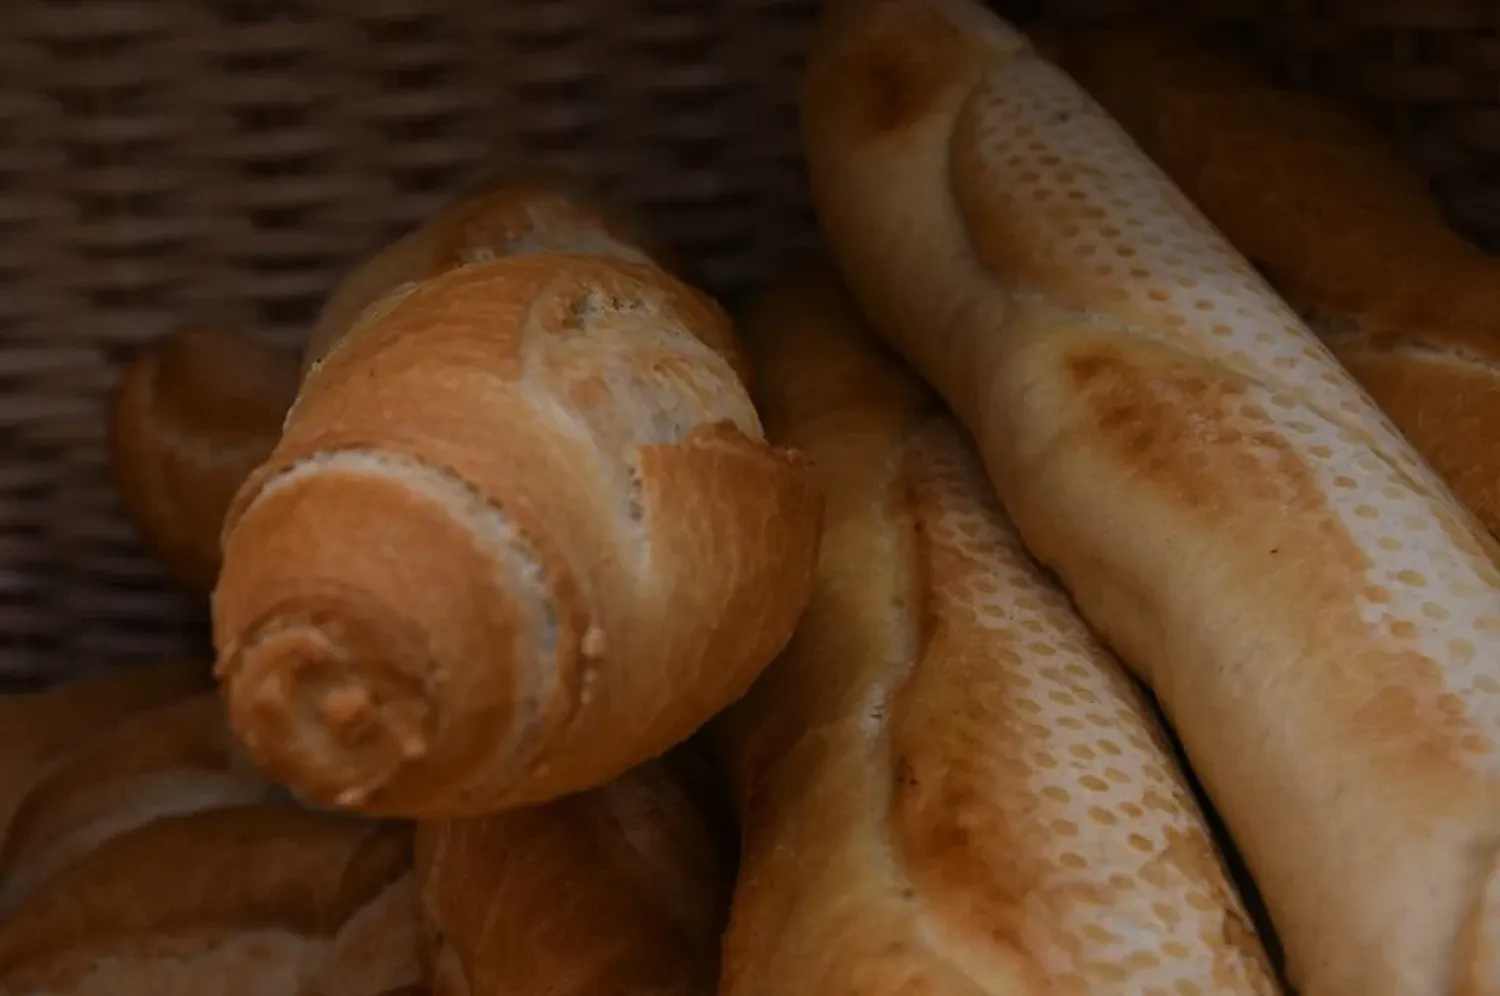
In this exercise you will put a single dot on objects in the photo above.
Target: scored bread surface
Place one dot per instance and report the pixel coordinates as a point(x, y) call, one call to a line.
point(1099, 860)
point(1169, 278)
point(505, 221)
point(1317, 613)
point(529, 410)
point(999, 808)
point(1341, 225)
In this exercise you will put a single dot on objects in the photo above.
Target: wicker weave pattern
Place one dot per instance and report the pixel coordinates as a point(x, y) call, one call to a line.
point(164, 161)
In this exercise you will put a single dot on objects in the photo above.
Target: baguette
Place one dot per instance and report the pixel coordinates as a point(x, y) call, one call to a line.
point(176, 758)
point(1313, 608)
point(195, 412)
point(946, 785)
point(243, 900)
point(37, 729)
point(521, 531)
point(1345, 230)
point(619, 890)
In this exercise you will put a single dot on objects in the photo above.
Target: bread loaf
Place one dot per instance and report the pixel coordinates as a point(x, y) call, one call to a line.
point(621, 890)
point(521, 531)
point(1316, 612)
point(37, 729)
point(241, 901)
point(946, 785)
point(1338, 223)
point(175, 758)
point(195, 412)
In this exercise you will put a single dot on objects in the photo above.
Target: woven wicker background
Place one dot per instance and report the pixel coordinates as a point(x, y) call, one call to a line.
point(164, 161)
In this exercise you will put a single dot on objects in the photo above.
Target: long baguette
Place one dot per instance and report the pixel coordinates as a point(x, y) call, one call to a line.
point(521, 531)
point(1316, 612)
point(619, 890)
point(1338, 223)
point(947, 785)
point(195, 412)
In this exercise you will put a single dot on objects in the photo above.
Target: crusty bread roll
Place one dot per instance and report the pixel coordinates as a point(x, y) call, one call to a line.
point(245, 901)
point(947, 786)
point(176, 758)
point(618, 891)
point(195, 412)
point(1341, 226)
point(1318, 615)
point(37, 729)
point(521, 531)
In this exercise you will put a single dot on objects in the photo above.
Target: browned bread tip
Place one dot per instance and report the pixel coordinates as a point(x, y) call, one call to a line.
point(521, 531)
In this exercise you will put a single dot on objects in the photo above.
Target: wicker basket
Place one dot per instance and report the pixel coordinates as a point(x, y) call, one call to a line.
point(164, 161)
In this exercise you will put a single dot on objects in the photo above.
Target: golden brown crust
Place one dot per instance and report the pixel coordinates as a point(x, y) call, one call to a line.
point(37, 729)
point(521, 532)
point(184, 962)
point(621, 889)
point(195, 412)
point(1314, 609)
point(944, 776)
point(508, 214)
point(232, 870)
point(1338, 222)
point(175, 758)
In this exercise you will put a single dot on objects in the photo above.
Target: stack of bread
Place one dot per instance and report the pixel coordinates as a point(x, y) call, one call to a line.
point(464, 634)
point(1030, 471)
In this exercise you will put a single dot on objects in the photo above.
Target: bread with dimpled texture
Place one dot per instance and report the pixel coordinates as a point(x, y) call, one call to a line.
point(1318, 615)
point(195, 412)
point(1345, 229)
point(946, 784)
point(521, 531)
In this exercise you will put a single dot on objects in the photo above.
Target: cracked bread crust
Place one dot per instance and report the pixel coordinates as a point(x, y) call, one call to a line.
point(521, 533)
